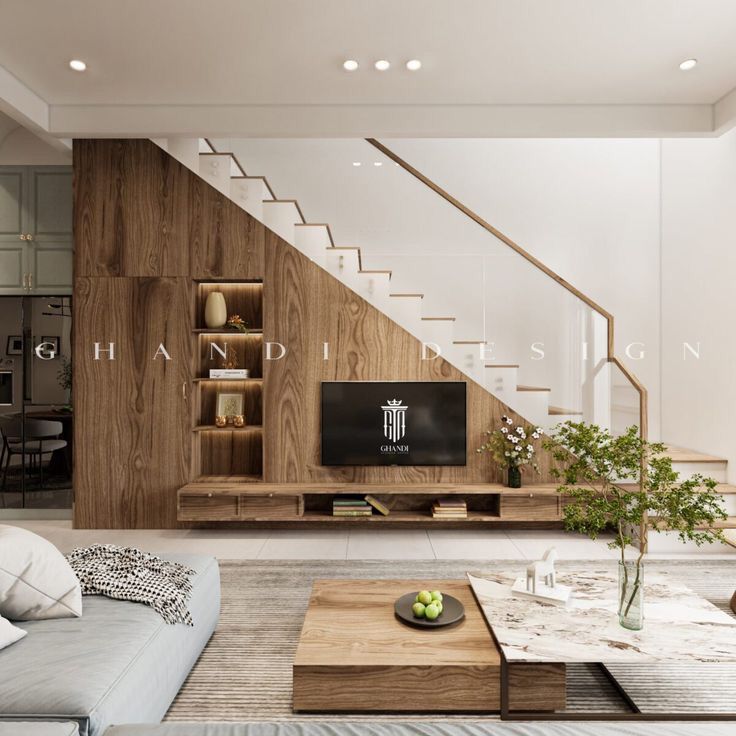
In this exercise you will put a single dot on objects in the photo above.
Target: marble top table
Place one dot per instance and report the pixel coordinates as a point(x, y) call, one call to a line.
point(678, 625)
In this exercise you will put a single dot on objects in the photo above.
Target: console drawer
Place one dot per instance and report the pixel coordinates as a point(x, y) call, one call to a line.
point(530, 508)
point(270, 506)
point(207, 507)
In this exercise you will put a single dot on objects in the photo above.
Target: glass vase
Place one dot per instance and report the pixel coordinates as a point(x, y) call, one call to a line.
point(514, 477)
point(631, 595)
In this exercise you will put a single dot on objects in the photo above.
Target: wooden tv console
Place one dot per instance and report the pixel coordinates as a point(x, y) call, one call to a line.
point(211, 500)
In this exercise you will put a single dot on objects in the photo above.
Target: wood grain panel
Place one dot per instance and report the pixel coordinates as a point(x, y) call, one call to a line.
point(231, 453)
point(131, 214)
point(132, 414)
point(206, 508)
point(270, 507)
point(225, 242)
point(304, 306)
point(531, 507)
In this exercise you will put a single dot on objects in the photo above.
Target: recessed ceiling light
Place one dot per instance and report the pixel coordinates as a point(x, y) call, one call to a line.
point(414, 65)
point(688, 64)
point(382, 65)
point(350, 65)
point(356, 163)
point(378, 163)
point(78, 65)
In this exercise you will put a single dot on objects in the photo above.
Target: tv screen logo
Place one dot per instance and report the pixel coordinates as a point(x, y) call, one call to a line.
point(394, 426)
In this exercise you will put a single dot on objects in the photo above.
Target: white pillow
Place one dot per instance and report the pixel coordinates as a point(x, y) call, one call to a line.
point(9, 634)
point(36, 581)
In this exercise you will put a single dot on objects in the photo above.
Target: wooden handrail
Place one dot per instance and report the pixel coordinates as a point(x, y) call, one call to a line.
point(643, 401)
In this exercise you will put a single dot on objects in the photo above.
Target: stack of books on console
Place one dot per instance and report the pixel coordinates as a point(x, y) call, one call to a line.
point(351, 507)
point(450, 508)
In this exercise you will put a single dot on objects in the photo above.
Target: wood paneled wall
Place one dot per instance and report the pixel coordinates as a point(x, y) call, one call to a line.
point(145, 227)
point(304, 307)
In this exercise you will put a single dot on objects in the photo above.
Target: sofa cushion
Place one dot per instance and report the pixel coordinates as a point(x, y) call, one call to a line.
point(119, 663)
point(36, 581)
point(39, 728)
point(9, 634)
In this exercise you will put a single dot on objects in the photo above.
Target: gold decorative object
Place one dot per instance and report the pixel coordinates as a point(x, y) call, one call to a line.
point(220, 420)
point(230, 361)
point(238, 420)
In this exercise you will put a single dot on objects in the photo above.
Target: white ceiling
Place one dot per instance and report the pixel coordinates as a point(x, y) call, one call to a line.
point(477, 55)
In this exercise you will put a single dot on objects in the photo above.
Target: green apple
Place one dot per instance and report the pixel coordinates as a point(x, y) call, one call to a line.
point(419, 610)
point(431, 612)
point(439, 605)
point(424, 596)
point(436, 595)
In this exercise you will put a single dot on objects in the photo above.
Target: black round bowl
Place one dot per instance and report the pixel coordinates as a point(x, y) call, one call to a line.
point(453, 612)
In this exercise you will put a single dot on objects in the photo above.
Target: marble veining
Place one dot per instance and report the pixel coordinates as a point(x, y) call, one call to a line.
point(679, 625)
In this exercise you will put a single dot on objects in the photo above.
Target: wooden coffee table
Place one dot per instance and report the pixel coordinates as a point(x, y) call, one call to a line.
point(355, 655)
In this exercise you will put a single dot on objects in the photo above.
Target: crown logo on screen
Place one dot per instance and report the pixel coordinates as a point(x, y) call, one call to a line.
point(394, 402)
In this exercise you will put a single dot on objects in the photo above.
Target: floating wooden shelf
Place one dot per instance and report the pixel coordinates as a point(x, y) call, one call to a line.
point(209, 479)
point(229, 428)
point(227, 380)
point(207, 331)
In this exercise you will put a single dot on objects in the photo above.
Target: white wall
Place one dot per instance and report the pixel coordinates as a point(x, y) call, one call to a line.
point(589, 209)
point(20, 147)
point(699, 294)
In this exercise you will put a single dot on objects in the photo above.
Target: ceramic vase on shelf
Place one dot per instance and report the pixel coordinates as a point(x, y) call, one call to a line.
point(631, 595)
point(514, 477)
point(215, 310)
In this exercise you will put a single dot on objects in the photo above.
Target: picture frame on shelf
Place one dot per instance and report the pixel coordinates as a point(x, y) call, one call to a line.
point(229, 404)
point(14, 345)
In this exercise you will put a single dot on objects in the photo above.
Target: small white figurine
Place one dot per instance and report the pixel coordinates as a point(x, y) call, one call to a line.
point(544, 568)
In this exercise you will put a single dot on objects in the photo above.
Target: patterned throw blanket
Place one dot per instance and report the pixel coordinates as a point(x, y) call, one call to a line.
point(127, 574)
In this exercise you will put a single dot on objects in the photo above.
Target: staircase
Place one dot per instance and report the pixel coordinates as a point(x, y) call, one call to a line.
point(344, 261)
point(440, 333)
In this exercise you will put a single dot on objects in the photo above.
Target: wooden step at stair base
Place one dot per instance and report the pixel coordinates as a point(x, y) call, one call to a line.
point(683, 455)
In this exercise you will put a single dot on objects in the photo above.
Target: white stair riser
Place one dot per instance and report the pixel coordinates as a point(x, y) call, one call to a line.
point(343, 265)
point(215, 170)
point(533, 406)
point(439, 332)
point(468, 359)
point(249, 194)
point(717, 471)
point(502, 382)
point(406, 311)
point(374, 288)
point(312, 241)
point(186, 151)
point(729, 503)
point(281, 218)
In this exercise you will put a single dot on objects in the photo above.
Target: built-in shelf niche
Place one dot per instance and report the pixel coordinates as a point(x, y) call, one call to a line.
point(233, 453)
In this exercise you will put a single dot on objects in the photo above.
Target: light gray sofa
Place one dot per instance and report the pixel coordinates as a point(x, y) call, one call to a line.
point(118, 663)
point(428, 728)
point(39, 728)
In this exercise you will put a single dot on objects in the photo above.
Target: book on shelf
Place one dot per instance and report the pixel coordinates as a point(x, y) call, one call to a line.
point(229, 373)
point(377, 505)
point(451, 503)
point(352, 512)
point(444, 512)
point(350, 502)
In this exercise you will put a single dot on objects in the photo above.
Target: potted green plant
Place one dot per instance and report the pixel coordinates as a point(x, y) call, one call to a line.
point(511, 447)
point(628, 484)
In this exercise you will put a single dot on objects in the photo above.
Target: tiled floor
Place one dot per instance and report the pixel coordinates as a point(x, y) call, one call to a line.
point(362, 544)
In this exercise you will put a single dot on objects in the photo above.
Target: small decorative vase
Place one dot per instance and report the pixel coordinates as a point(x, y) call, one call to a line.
point(215, 310)
point(631, 595)
point(220, 421)
point(514, 480)
point(238, 420)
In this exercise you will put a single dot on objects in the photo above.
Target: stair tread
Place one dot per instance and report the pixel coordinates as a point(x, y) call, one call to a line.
point(418, 296)
point(683, 455)
point(468, 342)
point(558, 411)
point(532, 388)
point(438, 319)
point(501, 365)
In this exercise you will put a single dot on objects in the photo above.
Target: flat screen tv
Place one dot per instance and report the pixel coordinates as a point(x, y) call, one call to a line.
point(393, 423)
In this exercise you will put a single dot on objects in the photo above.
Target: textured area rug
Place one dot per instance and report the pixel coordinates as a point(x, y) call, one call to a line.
point(244, 674)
